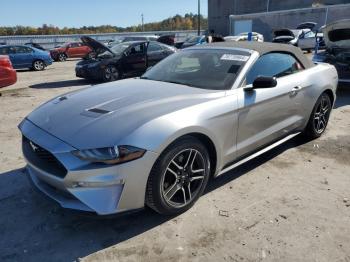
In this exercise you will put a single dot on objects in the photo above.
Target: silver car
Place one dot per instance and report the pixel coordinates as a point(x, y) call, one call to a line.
point(156, 140)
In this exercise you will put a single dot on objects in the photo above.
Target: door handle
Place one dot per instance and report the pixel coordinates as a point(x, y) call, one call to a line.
point(295, 90)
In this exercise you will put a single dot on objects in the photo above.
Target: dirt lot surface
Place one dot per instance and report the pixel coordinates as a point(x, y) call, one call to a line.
point(291, 204)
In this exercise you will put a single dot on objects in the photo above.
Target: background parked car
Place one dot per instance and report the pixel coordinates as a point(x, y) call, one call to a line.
point(132, 38)
point(286, 36)
point(194, 40)
point(304, 36)
point(170, 39)
point(244, 37)
point(35, 45)
point(26, 57)
point(71, 50)
point(8, 75)
point(127, 59)
point(337, 40)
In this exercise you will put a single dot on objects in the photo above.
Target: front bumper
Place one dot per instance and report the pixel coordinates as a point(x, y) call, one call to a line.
point(48, 61)
point(77, 184)
point(87, 72)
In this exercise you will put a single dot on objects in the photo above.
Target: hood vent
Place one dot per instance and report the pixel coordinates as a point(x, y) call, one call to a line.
point(98, 111)
point(95, 112)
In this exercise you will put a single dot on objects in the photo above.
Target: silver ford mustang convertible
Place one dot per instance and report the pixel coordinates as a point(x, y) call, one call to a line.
point(157, 139)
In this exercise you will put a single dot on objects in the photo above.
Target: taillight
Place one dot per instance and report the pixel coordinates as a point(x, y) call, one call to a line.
point(5, 62)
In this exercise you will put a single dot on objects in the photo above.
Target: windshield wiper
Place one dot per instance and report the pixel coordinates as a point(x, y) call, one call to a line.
point(179, 83)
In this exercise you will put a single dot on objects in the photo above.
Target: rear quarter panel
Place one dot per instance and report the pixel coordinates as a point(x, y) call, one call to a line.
point(317, 80)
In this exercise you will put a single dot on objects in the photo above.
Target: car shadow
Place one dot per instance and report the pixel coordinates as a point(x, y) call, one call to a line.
point(33, 227)
point(343, 95)
point(61, 84)
point(254, 163)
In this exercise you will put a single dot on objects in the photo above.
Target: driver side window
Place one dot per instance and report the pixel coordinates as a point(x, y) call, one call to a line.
point(137, 49)
point(273, 65)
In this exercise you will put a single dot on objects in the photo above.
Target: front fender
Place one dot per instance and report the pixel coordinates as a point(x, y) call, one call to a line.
point(157, 135)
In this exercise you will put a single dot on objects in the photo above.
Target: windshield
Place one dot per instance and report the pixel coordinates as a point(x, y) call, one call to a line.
point(64, 45)
point(201, 68)
point(117, 49)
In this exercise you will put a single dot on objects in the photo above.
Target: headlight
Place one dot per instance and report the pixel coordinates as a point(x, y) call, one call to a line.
point(110, 155)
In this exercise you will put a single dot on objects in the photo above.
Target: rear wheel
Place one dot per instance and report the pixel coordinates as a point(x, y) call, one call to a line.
point(319, 117)
point(62, 57)
point(179, 177)
point(110, 73)
point(38, 65)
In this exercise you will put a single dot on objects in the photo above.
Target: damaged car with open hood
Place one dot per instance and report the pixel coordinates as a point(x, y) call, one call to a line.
point(337, 40)
point(127, 59)
point(304, 36)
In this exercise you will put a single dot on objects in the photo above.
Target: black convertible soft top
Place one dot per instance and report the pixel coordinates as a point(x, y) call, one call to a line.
point(264, 48)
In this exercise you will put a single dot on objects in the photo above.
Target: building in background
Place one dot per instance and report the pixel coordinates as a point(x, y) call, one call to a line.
point(231, 17)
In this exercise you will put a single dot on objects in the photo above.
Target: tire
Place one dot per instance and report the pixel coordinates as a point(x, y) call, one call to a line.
point(179, 177)
point(38, 65)
point(319, 117)
point(62, 57)
point(111, 73)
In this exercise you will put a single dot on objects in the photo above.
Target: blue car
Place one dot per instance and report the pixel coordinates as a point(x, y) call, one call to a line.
point(26, 57)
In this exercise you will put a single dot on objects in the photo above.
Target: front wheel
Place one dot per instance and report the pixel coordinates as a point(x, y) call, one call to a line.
point(38, 65)
point(179, 177)
point(62, 57)
point(319, 117)
point(110, 73)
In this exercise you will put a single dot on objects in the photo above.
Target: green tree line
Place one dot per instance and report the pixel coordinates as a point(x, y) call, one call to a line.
point(177, 22)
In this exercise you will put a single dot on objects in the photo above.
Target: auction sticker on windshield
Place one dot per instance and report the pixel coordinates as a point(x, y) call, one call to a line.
point(232, 57)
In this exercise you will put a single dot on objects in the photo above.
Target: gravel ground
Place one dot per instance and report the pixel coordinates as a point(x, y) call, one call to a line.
point(290, 204)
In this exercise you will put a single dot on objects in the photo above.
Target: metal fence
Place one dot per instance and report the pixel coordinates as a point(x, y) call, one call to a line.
point(51, 41)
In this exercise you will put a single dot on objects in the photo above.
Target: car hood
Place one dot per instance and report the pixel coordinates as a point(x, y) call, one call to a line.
point(96, 46)
point(283, 32)
point(101, 115)
point(337, 34)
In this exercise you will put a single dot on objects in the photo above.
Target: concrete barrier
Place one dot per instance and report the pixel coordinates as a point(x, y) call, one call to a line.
point(50, 41)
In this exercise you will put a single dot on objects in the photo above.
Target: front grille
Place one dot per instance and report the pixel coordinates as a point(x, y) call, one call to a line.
point(42, 158)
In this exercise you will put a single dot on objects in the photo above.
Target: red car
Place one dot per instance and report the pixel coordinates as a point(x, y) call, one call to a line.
point(73, 49)
point(8, 75)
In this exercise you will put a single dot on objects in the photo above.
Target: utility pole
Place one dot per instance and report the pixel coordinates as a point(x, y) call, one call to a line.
point(143, 29)
point(199, 17)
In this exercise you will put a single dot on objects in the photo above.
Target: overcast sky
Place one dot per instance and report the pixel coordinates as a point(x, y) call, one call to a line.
point(77, 13)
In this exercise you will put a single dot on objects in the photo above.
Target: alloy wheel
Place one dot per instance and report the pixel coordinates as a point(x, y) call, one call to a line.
point(321, 115)
point(39, 65)
point(183, 178)
point(62, 57)
point(111, 73)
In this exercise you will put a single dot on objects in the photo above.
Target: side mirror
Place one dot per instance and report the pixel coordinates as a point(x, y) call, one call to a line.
point(264, 82)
